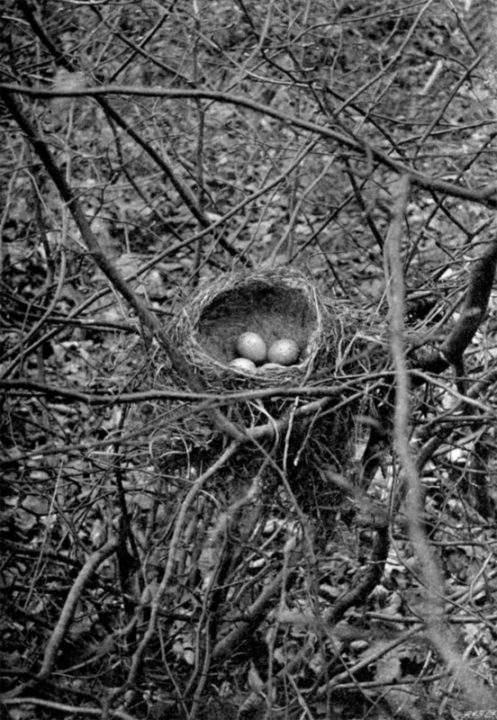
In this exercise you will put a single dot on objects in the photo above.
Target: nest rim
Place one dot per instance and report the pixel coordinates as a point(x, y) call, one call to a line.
point(284, 280)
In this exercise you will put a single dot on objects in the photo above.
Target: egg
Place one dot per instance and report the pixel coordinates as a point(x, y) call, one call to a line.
point(284, 352)
point(250, 345)
point(243, 364)
point(271, 366)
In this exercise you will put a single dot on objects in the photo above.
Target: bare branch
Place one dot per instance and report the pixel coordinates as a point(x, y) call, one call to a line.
point(161, 161)
point(110, 271)
point(484, 197)
point(72, 599)
point(65, 708)
point(475, 305)
point(439, 632)
point(471, 316)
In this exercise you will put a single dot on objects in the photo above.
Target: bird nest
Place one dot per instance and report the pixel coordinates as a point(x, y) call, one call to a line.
point(275, 304)
point(304, 433)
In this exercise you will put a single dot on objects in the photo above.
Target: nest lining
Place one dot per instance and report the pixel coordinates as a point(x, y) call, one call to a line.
point(275, 304)
point(273, 312)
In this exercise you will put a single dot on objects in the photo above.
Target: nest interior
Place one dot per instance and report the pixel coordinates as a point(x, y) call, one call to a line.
point(276, 304)
point(273, 311)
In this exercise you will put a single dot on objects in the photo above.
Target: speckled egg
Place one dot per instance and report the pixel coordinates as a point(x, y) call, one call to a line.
point(283, 352)
point(250, 345)
point(243, 364)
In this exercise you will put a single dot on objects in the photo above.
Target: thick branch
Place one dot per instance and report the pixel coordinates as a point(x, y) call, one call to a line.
point(254, 616)
point(161, 161)
point(475, 305)
point(368, 579)
point(439, 632)
point(70, 605)
point(148, 319)
point(64, 710)
point(472, 314)
point(16, 387)
point(484, 196)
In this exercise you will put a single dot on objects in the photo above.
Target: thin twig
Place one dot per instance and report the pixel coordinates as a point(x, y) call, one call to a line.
point(64, 708)
point(438, 630)
point(484, 196)
point(158, 600)
point(148, 319)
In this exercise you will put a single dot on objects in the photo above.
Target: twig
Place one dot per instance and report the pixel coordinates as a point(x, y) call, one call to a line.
point(485, 196)
point(158, 602)
point(254, 616)
point(64, 708)
point(451, 352)
point(161, 161)
point(121, 398)
point(148, 319)
point(368, 579)
point(475, 305)
point(383, 650)
point(199, 150)
point(438, 630)
point(385, 69)
point(70, 605)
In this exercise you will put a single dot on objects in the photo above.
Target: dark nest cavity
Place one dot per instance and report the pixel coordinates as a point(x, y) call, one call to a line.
point(275, 304)
point(309, 433)
point(272, 312)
